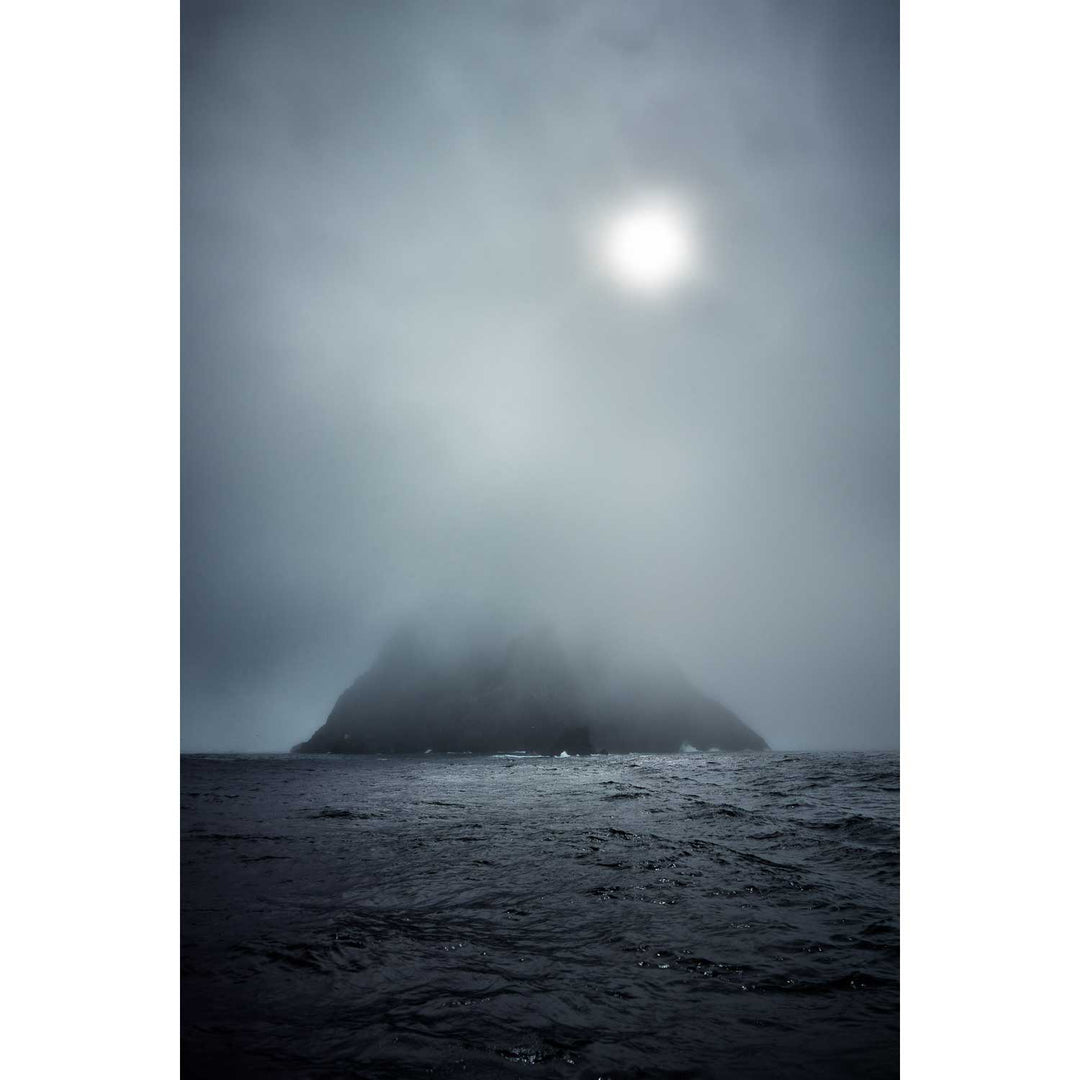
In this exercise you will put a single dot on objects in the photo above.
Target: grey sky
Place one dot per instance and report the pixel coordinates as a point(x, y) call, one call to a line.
point(406, 380)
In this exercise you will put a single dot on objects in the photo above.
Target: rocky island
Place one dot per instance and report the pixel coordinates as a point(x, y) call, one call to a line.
point(531, 694)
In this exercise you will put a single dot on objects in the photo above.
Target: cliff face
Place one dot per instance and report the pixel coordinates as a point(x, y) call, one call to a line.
point(530, 695)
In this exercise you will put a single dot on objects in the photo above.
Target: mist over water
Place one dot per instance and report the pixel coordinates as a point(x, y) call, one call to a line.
point(539, 391)
point(408, 383)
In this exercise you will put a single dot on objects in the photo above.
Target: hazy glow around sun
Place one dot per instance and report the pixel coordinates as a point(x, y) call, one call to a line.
point(648, 247)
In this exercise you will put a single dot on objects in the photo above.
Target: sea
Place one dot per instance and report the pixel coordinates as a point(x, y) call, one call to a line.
point(702, 914)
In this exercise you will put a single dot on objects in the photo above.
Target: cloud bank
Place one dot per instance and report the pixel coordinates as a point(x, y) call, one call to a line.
point(408, 383)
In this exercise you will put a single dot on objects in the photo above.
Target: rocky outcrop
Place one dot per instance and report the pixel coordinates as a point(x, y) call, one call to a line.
point(531, 695)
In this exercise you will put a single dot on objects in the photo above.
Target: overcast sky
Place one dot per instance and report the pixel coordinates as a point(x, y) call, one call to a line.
point(407, 378)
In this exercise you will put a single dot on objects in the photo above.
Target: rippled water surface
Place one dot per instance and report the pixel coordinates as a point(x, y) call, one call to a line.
point(728, 915)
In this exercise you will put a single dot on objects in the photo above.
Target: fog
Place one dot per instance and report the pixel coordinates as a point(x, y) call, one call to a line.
point(409, 384)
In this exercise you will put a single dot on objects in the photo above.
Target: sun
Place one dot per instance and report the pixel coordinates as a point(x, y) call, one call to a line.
point(648, 247)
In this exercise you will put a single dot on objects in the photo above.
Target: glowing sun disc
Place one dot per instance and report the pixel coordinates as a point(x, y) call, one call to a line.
point(648, 247)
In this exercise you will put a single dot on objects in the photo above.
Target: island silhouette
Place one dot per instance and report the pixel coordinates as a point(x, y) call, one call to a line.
point(531, 694)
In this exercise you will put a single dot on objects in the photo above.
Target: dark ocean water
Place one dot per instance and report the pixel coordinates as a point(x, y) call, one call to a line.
point(712, 915)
